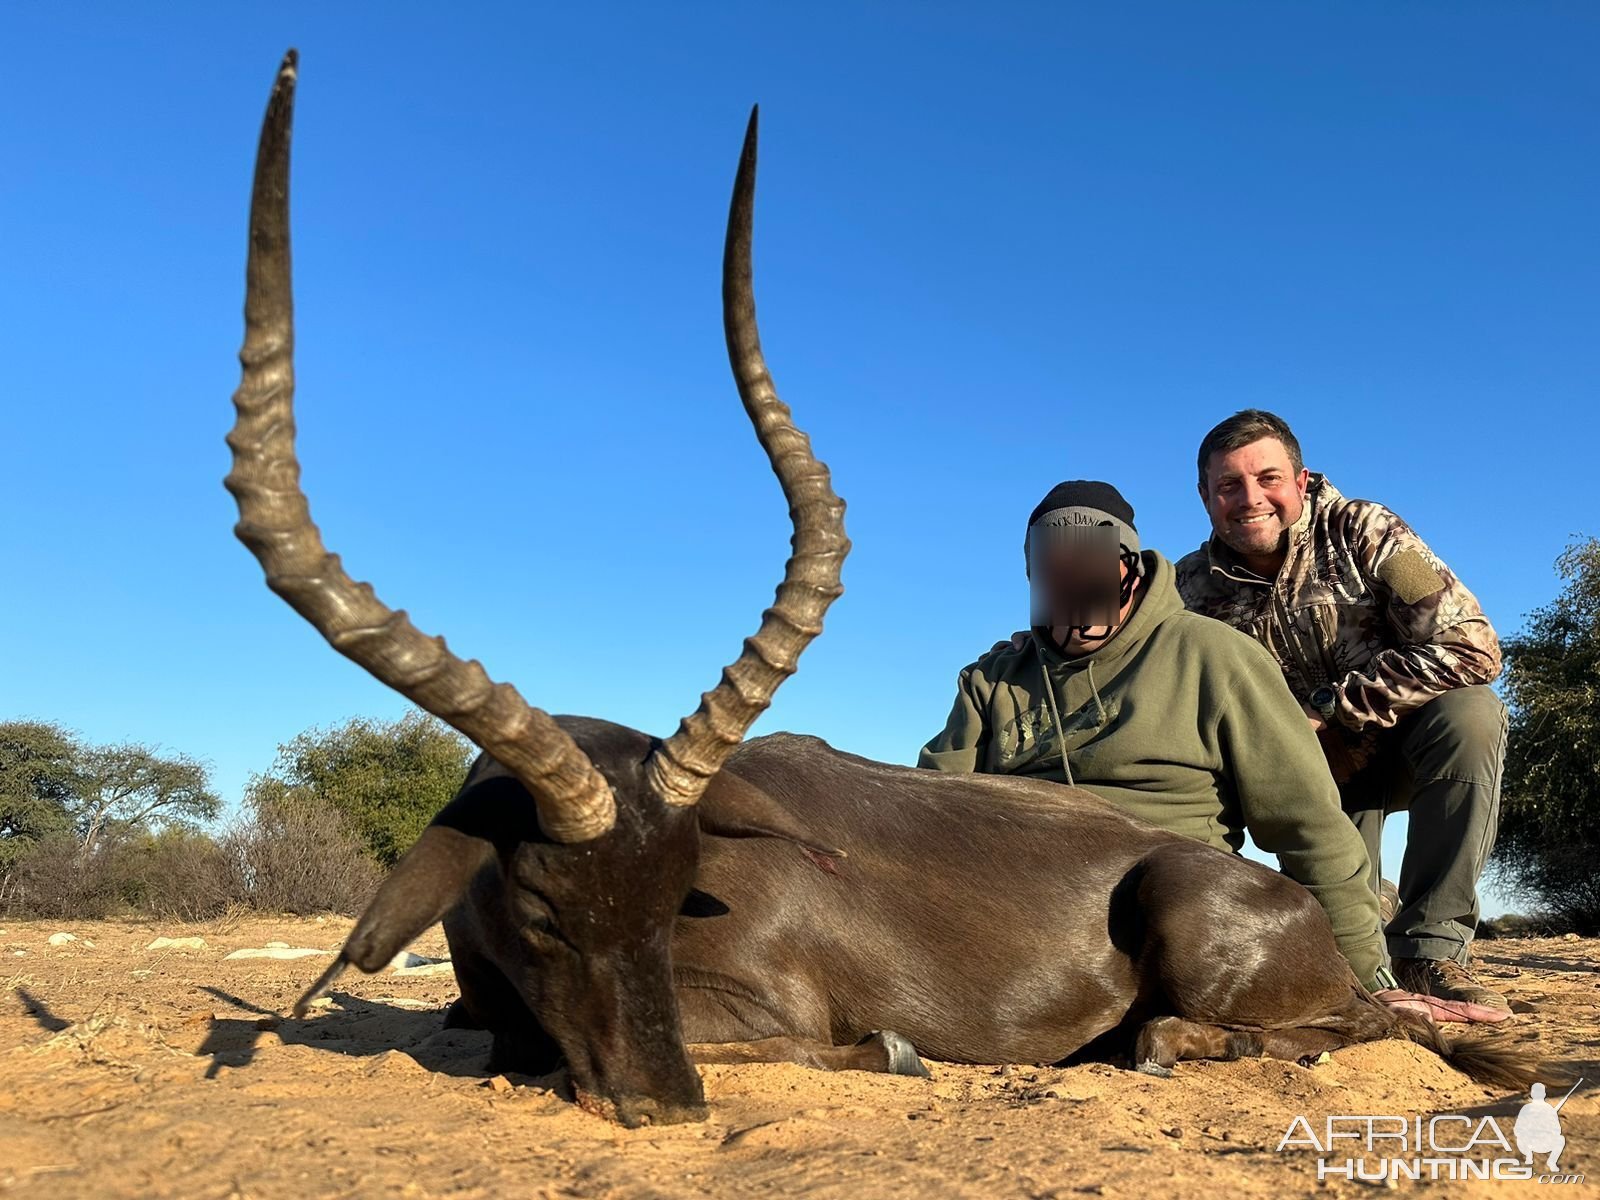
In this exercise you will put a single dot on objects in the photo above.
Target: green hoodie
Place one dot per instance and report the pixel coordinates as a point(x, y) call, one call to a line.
point(1185, 723)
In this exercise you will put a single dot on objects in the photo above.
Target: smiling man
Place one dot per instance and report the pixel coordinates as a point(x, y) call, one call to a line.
point(1389, 657)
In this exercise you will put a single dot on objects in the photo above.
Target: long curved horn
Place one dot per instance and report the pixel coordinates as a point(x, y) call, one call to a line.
point(684, 764)
point(575, 802)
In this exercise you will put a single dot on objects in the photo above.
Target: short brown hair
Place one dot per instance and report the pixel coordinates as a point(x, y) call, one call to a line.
point(1249, 425)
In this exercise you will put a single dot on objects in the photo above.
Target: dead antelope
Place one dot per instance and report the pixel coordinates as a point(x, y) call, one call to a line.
point(610, 896)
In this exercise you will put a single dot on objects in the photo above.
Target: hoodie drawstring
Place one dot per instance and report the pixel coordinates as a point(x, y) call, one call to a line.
point(1099, 704)
point(1055, 714)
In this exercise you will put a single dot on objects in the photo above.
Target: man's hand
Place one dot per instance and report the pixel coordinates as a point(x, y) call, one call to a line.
point(1436, 1009)
point(1019, 641)
point(1317, 723)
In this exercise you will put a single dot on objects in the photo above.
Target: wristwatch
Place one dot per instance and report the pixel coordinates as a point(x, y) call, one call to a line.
point(1325, 701)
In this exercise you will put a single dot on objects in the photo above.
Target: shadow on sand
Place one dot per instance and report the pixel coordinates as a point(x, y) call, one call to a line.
point(359, 1028)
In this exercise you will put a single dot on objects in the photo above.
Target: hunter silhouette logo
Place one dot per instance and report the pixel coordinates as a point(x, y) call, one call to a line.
point(1538, 1127)
point(1446, 1146)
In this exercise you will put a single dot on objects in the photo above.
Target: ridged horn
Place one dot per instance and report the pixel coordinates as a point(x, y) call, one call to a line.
point(574, 801)
point(685, 763)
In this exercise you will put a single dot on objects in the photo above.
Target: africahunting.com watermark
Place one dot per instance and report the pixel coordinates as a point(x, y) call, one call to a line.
point(1448, 1146)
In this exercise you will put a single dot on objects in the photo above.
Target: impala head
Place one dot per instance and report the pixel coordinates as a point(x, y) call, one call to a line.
point(581, 834)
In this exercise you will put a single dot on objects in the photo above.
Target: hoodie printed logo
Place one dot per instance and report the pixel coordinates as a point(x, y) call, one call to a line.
point(1032, 736)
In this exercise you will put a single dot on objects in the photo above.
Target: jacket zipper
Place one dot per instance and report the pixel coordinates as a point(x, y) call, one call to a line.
point(1291, 639)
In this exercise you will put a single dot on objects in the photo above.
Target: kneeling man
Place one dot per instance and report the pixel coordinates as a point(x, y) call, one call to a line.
point(1176, 718)
point(1389, 656)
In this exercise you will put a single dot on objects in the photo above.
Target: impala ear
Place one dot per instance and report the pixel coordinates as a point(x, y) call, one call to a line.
point(423, 886)
point(734, 808)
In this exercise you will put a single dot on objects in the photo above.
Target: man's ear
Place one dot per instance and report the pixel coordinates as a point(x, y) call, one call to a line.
point(734, 808)
point(1205, 495)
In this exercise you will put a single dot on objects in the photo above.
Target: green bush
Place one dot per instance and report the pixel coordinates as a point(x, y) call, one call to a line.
point(388, 779)
point(1550, 815)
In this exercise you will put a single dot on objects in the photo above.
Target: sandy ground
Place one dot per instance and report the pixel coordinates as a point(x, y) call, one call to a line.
point(126, 1071)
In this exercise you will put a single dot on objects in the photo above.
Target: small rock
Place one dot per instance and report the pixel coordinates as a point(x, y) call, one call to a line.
point(1570, 937)
point(500, 1083)
point(182, 943)
point(19, 953)
point(1174, 1132)
point(1322, 1059)
point(407, 959)
point(322, 1002)
point(61, 939)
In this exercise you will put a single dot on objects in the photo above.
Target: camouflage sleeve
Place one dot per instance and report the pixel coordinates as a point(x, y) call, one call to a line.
point(963, 745)
point(1436, 636)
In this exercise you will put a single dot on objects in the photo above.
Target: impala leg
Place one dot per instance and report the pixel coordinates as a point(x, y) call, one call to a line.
point(884, 1051)
point(1299, 1043)
point(1168, 1040)
point(489, 1001)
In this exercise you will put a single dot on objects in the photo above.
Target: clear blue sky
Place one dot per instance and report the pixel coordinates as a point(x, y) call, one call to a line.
point(992, 252)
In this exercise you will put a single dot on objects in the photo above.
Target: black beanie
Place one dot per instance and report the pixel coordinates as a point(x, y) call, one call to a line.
point(1101, 499)
point(1085, 493)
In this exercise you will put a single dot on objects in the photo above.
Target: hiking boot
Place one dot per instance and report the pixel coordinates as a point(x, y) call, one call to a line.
point(1448, 980)
point(1388, 900)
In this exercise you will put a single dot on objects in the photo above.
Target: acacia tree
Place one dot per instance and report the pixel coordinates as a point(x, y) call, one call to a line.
point(38, 781)
point(386, 778)
point(129, 787)
point(1550, 817)
point(52, 784)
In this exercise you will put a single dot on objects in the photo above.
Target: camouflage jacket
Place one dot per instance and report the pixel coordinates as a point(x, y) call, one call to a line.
point(1360, 604)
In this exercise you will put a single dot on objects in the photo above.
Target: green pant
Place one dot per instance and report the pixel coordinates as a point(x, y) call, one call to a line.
point(1442, 762)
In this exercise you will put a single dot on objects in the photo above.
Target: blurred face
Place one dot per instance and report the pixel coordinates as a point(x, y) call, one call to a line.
point(1073, 641)
point(1075, 580)
point(1253, 495)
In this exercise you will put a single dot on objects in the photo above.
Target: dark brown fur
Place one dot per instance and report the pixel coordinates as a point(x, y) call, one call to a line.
point(986, 919)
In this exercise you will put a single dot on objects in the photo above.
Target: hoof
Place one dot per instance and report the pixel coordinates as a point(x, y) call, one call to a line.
point(902, 1054)
point(1151, 1067)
